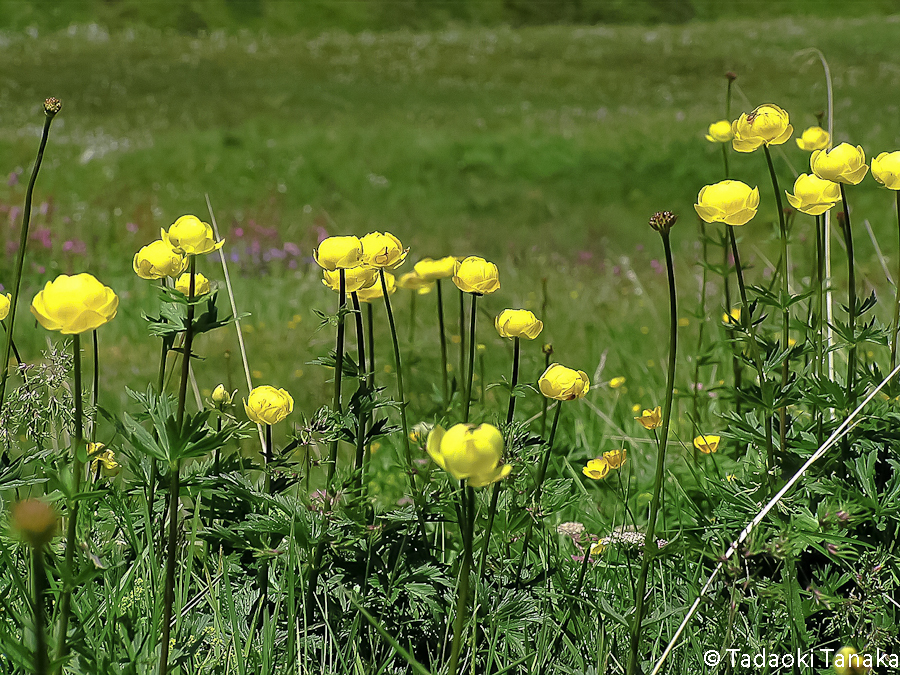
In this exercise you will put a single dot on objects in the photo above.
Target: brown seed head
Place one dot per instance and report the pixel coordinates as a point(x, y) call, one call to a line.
point(662, 221)
point(52, 106)
point(732, 76)
point(35, 520)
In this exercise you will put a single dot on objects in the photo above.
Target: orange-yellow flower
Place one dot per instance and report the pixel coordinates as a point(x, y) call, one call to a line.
point(651, 419)
point(615, 458)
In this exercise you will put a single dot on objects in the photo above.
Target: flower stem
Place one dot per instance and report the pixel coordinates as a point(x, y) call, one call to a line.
point(462, 336)
point(20, 255)
point(702, 322)
point(443, 337)
point(338, 373)
point(361, 348)
point(820, 324)
point(72, 526)
point(895, 325)
point(536, 496)
point(95, 390)
point(462, 596)
point(39, 579)
point(650, 546)
point(154, 465)
point(545, 402)
point(471, 361)
point(851, 304)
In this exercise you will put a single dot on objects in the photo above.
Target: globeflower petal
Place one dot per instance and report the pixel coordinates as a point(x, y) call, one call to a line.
point(886, 169)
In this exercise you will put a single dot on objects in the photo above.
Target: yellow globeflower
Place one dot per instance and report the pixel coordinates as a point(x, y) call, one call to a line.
point(616, 382)
point(814, 138)
point(707, 443)
point(518, 323)
point(436, 269)
point(886, 169)
point(843, 164)
point(615, 458)
point(338, 253)
point(719, 132)
point(767, 124)
point(383, 250)
point(268, 405)
point(477, 275)
point(355, 279)
point(813, 195)
point(158, 260)
point(5, 301)
point(651, 419)
point(74, 305)
point(563, 384)
point(411, 281)
point(201, 284)
point(469, 452)
point(596, 468)
point(728, 201)
point(374, 291)
point(192, 236)
point(847, 661)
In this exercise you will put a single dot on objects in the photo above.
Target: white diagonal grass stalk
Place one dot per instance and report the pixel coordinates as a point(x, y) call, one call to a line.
point(836, 435)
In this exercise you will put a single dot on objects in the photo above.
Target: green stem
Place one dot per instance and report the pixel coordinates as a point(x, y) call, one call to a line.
point(462, 336)
point(536, 496)
point(95, 390)
point(702, 322)
point(412, 315)
point(262, 575)
point(20, 256)
point(338, 373)
point(851, 280)
point(154, 465)
point(462, 597)
point(361, 348)
point(471, 361)
point(65, 609)
point(545, 401)
point(39, 580)
point(443, 337)
point(650, 546)
point(370, 377)
point(820, 324)
point(895, 325)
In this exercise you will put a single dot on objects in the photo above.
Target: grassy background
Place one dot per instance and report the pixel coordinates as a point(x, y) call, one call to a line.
point(544, 148)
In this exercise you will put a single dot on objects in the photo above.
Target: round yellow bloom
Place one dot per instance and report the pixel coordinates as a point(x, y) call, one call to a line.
point(767, 124)
point(563, 384)
point(596, 469)
point(518, 323)
point(615, 458)
point(436, 269)
point(847, 661)
point(469, 452)
point(268, 405)
point(707, 443)
point(74, 305)
point(719, 132)
point(5, 302)
point(375, 291)
point(813, 195)
point(383, 250)
point(355, 278)
point(158, 260)
point(477, 275)
point(728, 201)
point(843, 164)
point(651, 419)
point(338, 253)
point(35, 520)
point(886, 169)
point(814, 138)
point(192, 236)
point(616, 382)
point(413, 282)
point(201, 284)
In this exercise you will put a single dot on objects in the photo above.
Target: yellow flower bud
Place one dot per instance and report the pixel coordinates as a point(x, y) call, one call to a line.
point(355, 278)
point(469, 452)
point(5, 302)
point(158, 260)
point(728, 201)
point(563, 384)
point(268, 405)
point(651, 419)
point(192, 236)
point(35, 520)
point(477, 275)
point(843, 164)
point(411, 281)
point(518, 323)
point(767, 124)
point(616, 382)
point(886, 169)
point(615, 458)
point(201, 284)
point(596, 469)
point(375, 291)
point(383, 250)
point(719, 132)
point(74, 305)
point(707, 443)
point(221, 398)
point(814, 138)
point(813, 195)
point(436, 269)
point(338, 253)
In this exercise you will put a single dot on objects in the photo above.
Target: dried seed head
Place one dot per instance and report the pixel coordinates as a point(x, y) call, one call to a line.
point(662, 221)
point(732, 76)
point(52, 106)
point(35, 520)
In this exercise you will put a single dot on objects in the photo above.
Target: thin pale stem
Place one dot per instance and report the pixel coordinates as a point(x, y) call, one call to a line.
point(462, 597)
point(471, 361)
point(702, 322)
point(650, 547)
point(443, 337)
point(338, 373)
point(39, 581)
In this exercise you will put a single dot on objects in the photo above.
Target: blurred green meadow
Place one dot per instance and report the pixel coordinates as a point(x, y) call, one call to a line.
point(543, 148)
